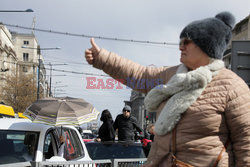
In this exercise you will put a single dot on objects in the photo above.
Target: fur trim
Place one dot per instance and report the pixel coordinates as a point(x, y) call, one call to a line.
point(182, 90)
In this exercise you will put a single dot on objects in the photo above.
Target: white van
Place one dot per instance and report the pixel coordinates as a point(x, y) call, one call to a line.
point(21, 141)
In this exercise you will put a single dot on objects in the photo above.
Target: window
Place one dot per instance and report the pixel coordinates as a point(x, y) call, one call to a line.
point(18, 146)
point(73, 147)
point(26, 42)
point(25, 69)
point(25, 56)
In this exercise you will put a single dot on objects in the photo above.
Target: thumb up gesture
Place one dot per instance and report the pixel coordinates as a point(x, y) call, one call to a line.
point(92, 53)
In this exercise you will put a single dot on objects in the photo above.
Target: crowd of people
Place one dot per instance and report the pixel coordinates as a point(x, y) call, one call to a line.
point(126, 127)
point(125, 124)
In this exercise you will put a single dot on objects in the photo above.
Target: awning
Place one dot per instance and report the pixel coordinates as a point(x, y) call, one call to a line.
point(6, 110)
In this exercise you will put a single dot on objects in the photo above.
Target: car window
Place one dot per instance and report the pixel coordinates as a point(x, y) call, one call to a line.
point(73, 147)
point(50, 145)
point(17, 146)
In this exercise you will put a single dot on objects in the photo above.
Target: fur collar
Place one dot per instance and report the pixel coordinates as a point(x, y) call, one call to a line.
point(182, 90)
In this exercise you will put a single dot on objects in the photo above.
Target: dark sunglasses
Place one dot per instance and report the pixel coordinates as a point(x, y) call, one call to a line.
point(184, 42)
point(125, 110)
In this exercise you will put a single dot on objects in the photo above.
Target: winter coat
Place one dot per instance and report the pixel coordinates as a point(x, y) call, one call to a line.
point(220, 113)
point(106, 131)
point(126, 127)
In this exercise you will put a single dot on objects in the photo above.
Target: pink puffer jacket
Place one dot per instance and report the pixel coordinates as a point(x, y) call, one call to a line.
point(222, 112)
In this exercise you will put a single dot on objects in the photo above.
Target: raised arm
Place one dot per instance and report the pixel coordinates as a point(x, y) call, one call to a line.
point(129, 73)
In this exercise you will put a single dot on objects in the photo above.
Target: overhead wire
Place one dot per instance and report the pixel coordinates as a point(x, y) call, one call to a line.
point(74, 72)
point(59, 70)
point(91, 36)
point(86, 36)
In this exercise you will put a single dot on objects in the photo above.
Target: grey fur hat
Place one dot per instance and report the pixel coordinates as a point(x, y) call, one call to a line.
point(211, 34)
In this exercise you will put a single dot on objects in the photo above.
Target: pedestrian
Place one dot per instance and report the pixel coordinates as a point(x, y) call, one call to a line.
point(151, 130)
point(203, 109)
point(106, 131)
point(126, 124)
point(61, 147)
point(147, 140)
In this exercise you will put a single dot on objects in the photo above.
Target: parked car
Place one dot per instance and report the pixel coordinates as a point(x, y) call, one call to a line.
point(21, 140)
point(114, 150)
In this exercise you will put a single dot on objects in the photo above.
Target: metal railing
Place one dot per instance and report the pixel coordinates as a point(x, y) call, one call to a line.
point(138, 162)
point(102, 163)
point(129, 162)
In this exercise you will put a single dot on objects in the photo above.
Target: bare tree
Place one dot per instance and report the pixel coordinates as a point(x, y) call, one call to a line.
point(19, 92)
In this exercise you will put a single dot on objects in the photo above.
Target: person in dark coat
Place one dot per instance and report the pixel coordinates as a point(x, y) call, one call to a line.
point(106, 131)
point(126, 123)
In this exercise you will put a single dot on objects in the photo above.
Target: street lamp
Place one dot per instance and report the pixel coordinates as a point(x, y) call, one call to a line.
point(27, 10)
point(39, 64)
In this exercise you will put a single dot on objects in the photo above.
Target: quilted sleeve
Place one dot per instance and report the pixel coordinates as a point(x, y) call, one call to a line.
point(131, 74)
point(238, 120)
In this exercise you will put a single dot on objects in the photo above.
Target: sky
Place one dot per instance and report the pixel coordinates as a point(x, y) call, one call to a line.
point(145, 20)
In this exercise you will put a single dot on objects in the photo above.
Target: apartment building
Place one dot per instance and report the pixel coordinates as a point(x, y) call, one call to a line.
point(20, 54)
point(29, 54)
point(8, 57)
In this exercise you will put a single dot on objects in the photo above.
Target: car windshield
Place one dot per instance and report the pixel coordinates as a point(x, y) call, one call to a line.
point(114, 150)
point(17, 146)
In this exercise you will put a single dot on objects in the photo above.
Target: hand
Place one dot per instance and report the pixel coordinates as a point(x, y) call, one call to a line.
point(92, 53)
point(98, 140)
point(62, 139)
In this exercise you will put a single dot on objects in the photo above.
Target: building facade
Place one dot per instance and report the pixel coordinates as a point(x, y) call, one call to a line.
point(20, 55)
point(29, 54)
point(136, 103)
point(8, 57)
point(237, 56)
point(241, 32)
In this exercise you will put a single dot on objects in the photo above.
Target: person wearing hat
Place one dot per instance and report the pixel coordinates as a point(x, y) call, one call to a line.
point(126, 124)
point(203, 109)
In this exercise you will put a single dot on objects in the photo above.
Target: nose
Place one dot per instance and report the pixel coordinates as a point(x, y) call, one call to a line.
point(181, 47)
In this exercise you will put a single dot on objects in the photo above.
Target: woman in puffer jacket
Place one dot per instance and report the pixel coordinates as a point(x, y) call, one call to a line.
point(203, 109)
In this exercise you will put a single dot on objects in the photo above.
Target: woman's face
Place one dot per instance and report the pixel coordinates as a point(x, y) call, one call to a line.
point(191, 55)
